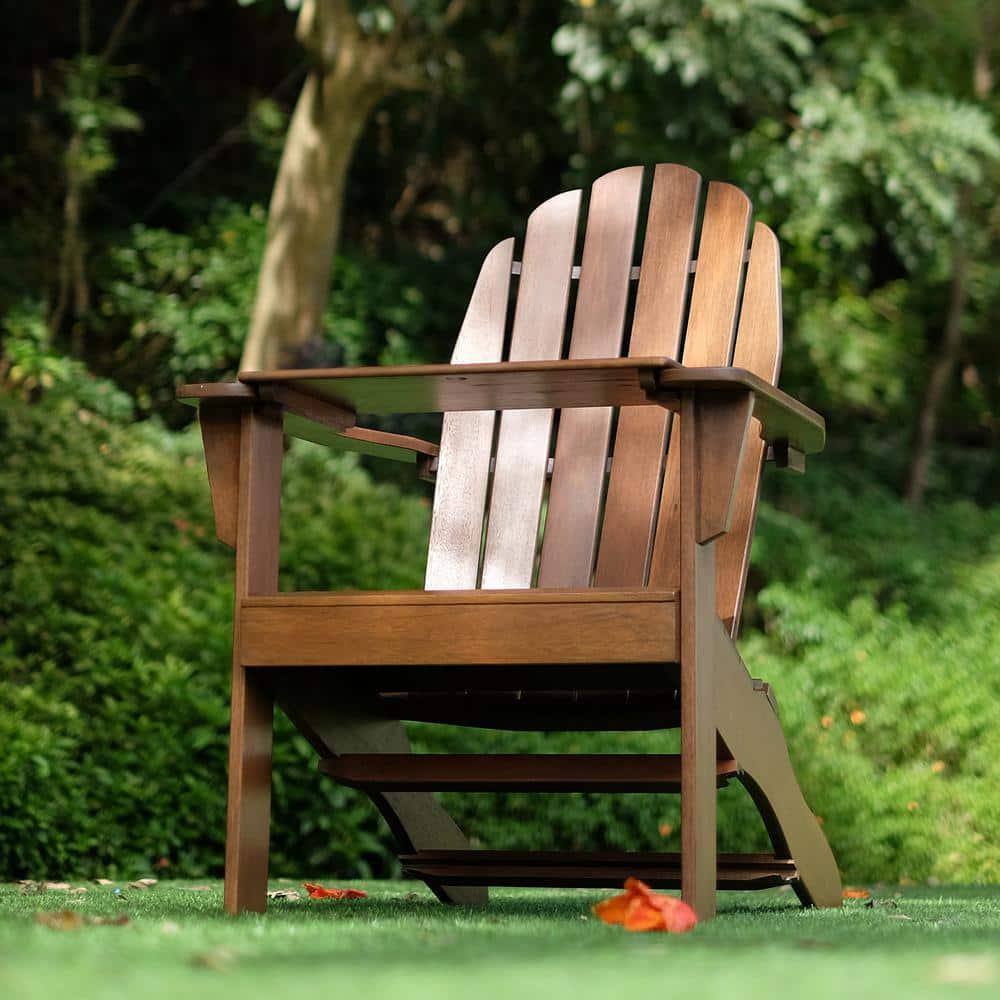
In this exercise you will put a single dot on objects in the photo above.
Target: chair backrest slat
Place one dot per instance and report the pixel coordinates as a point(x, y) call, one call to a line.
point(578, 471)
point(711, 328)
point(467, 438)
point(758, 349)
point(640, 440)
point(523, 440)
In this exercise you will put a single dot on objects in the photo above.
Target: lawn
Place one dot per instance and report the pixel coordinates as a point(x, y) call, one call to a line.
point(527, 943)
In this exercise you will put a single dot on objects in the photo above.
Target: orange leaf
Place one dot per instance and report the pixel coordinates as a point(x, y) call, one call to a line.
point(319, 892)
point(856, 894)
point(639, 908)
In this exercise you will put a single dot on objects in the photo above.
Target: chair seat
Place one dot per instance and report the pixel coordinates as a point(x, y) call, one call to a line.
point(460, 628)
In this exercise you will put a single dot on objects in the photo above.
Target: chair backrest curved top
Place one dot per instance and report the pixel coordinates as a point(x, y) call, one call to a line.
point(590, 499)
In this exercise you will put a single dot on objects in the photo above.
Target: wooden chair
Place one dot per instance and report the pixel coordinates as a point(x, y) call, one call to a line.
point(582, 575)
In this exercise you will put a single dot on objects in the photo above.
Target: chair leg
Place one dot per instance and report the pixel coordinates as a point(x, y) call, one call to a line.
point(249, 809)
point(751, 731)
point(417, 819)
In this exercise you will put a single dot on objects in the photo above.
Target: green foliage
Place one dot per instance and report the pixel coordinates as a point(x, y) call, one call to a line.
point(114, 676)
point(115, 647)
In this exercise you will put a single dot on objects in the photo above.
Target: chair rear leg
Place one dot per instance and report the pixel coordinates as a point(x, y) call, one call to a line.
point(750, 729)
point(417, 820)
point(249, 807)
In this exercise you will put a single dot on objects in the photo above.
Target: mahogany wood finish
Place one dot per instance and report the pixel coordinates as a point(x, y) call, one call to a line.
point(610, 604)
point(592, 870)
point(500, 772)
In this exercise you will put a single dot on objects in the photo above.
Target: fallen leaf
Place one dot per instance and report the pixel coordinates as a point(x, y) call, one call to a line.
point(319, 892)
point(103, 881)
point(142, 883)
point(289, 895)
point(639, 908)
point(196, 888)
point(78, 891)
point(60, 920)
point(120, 921)
point(856, 894)
point(218, 959)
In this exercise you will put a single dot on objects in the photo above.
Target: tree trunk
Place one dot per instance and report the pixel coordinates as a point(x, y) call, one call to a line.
point(937, 384)
point(305, 213)
point(923, 446)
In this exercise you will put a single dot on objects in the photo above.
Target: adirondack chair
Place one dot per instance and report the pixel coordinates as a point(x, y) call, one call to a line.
point(582, 575)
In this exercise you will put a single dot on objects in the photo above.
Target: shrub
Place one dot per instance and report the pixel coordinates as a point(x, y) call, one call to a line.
point(876, 626)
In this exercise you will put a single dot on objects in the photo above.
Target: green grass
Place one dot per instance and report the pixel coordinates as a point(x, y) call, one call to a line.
point(527, 943)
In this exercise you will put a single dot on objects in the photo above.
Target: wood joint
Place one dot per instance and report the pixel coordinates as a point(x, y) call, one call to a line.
point(786, 457)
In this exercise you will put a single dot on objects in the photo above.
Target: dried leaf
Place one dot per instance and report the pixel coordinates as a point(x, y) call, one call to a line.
point(319, 892)
point(143, 883)
point(196, 888)
point(639, 908)
point(103, 881)
point(120, 921)
point(289, 895)
point(856, 894)
point(218, 959)
point(60, 920)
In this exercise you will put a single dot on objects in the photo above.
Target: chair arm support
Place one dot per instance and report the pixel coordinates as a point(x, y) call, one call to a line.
point(787, 424)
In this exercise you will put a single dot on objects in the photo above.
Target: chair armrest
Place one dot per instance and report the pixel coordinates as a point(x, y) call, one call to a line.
point(788, 425)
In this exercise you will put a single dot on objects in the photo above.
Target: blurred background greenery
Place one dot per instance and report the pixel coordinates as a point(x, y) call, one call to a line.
point(140, 143)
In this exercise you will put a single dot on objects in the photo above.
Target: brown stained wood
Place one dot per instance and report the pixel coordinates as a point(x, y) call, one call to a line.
point(641, 437)
point(250, 735)
point(570, 538)
point(220, 434)
point(463, 471)
point(592, 869)
point(381, 444)
point(758, 350)
point(196, 392)
point(523, 440)
point(708, 341)
point(430, 598)
point(285, 634)
point(698, 730)
point(781, 417)
point(296, 402)
point(518, 384)
point(339, 726)
point(506, 772)
point(751, 731)
point(722, 425)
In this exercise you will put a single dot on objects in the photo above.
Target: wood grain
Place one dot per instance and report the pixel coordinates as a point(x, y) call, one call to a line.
point(336, 634)
point(577, 486)
point(507, 772)
point(641, 437)
point(250, 734)
point(698, 731)
point(523, 441)
point(708, 342)
point(220, 435)
point(751, 731)
point(758, 350)
point(467, 438)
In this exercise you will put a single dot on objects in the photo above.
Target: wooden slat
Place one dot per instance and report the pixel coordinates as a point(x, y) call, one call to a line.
point(523, 441)
point(506, 772)
point(467, 438)
point(570, 538)
point(220, 434)
point(426, 598)
point(281, 634)
point(758, 349)
point(708, 341)
point(516, 384)
point(591, 870)
point(640, 440)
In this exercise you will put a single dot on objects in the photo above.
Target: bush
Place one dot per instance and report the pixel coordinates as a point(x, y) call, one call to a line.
point(876, 626)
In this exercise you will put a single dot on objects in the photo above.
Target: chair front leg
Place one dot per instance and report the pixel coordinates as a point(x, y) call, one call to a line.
point(257, 542)
point(249, 812)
